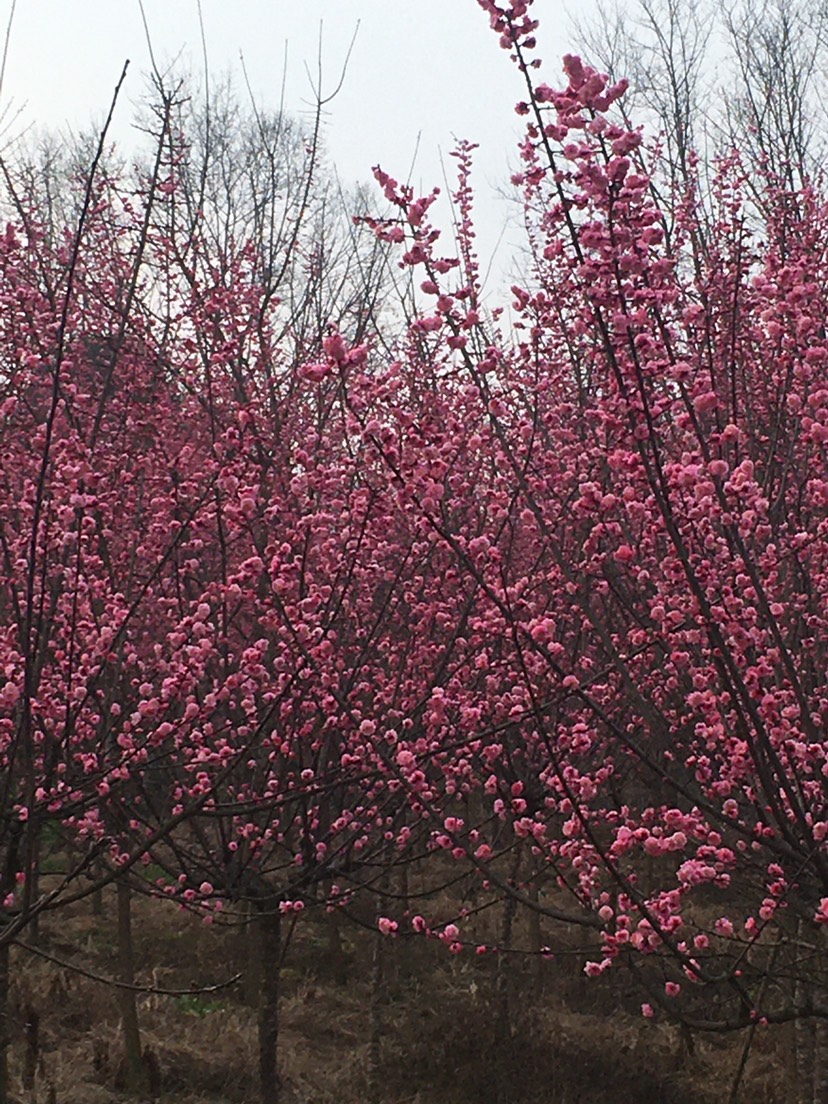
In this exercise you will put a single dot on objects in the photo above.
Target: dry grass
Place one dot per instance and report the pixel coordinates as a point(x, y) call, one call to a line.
point(446, 1036)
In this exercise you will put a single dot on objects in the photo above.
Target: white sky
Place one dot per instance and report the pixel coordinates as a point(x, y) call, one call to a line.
point(424, 70)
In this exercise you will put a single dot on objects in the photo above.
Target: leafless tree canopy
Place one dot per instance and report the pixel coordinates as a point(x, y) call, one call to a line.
point(746, 76)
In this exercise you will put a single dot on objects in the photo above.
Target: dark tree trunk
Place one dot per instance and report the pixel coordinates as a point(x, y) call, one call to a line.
point(503, 1072)
point(337, 956)
point(33, 888)
point(31, 1033)
point(819, 1074)
point(97, 902)
point(249, 934)
point(270, 950)
point(5, 1024)
point(134, 1072)
point(536, 937)
point(377, 1017)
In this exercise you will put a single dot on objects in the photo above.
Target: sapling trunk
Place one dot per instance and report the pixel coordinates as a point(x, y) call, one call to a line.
point(403, 890)
point(31, 1054)
point(819, 1072)
point(97, 902)
point(33, 889)
point(337, 957)
point(251, 957)
point(376, 1027)
point(135, 1076)
point(804, 1035)
point(268, 922)
point(804, 1054)
point(504, 1026)
point(502, 1003)
point(5, 1024)
point(535, 934)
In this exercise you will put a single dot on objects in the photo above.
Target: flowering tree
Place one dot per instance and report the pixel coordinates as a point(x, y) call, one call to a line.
point(305, 571)
point(648, 443)
point(218, 576)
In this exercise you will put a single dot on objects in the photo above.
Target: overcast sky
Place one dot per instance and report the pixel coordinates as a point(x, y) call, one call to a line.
point(421, 73)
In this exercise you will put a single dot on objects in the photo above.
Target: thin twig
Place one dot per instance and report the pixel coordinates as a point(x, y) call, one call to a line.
point(6, 46)
point(115, 984)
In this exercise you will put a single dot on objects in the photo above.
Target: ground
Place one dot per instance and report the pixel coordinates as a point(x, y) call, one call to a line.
point(447, 1029)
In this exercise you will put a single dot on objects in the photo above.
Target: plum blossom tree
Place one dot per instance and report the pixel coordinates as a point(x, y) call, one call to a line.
point(306, 573)
point(649, 445)
point(222, 577)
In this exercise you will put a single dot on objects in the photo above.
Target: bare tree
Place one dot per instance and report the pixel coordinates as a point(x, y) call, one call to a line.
point(774, 116)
